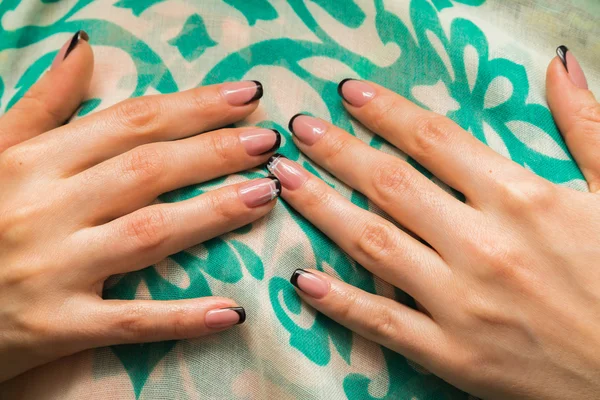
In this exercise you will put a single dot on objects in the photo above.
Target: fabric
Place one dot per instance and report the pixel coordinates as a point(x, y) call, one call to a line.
point(480, 62)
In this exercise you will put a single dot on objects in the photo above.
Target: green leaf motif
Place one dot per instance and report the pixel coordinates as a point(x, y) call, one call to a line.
point(193, 40)
point(345, 11)
point(136, 6)
point(254, 10)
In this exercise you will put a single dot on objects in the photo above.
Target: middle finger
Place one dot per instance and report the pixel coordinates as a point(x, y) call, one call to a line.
point(391, 183)
point(134, 179)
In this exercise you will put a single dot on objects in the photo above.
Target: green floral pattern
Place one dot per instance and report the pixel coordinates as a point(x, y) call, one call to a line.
point(447, 68)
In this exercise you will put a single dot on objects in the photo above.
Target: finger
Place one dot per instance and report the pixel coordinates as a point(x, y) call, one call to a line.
point(140, 321)
point(51, 101)
point(134, 179)
point(147, 119)
point(369, 239)
point(576, 112)
point(436, 142)
point(391, 183)
point(152, 233)
point(379, 319)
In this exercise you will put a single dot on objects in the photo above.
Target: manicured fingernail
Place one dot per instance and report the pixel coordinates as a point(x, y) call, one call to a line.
point(260, 141)
point(291, 175)
point(572, 66)
point(225, 317)
point(260, 191)
point(69, 47)
point(357, 93)
point(311, 284)
point(307, 129)
point(242, 93)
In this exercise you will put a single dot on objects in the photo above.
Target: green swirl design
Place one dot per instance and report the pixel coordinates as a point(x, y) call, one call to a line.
point(427, 57)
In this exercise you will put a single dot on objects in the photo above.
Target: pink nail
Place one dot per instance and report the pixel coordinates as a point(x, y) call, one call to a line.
point(291, 175)
point(261, 191)
point(68, 47)
point(311, 284)
point(242, 93)
point(573, 68)
point(225, 317)
point(260, 141)
point(357, 93)
point(307, 129)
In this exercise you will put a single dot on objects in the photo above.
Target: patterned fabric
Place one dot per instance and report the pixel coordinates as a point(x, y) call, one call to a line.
point(482, 63)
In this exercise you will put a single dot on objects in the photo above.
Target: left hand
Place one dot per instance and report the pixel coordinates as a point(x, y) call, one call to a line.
point(509, 286)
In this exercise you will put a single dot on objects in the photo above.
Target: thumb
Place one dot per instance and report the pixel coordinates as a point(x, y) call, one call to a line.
point(576, 112)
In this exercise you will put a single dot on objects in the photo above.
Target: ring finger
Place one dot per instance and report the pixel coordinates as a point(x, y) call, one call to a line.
point(372, 241)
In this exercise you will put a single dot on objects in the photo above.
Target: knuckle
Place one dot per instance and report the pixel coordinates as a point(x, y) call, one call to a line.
point(148, 229)
point(430, 133)
point(222, 207)
point(392, 178)
point(523, 198)
point(140, 115)
point(382, 114)
point(336, 147)
point(222, 146)
point(134, 325)
point(589, 115)
point(33, 99)
point(145, 163)
point(316, 197)
point(376, 242)
point(381, 324)
point(15, 160)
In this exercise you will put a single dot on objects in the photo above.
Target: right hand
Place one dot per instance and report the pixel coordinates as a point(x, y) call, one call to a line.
point(75, 208)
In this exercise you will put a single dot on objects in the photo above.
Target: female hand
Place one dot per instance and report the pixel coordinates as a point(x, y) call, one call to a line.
point(509, 286)
point(75, 208)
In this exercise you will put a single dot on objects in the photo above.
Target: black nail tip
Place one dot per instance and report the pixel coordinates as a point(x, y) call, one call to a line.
point(561, 52)
point(291, 123)
point(259, 92)
point(272, 159)
point(277, 142)
point(295, 275)
point(277, 184)
point(339, 88)
point(79, 35)
point(240, 312)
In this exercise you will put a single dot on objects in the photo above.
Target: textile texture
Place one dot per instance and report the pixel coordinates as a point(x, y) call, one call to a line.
point(480, 62)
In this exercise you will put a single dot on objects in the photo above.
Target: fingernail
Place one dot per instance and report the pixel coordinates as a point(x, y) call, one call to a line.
point(260, 191)
point(68, 47)
point(311, 284)
point(225, 317)
point(306, 128)
point(355, 92)
point(572, 66)
point(242, 93)
point(291, 175)
point(260, 141)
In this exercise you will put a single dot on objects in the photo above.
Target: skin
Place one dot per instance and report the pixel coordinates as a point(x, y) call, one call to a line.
point(75, 208)
point(508, 289)
point(508, 296)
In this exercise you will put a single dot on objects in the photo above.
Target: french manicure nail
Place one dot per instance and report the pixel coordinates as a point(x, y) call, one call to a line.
point(260, 141)
point(68, 47)
point(291, 175)
point(309, 283)
point(242, 93)
point(225, 317)
point(355, 92)
point(572, 66)
point(306, 128)
point(260, 191)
